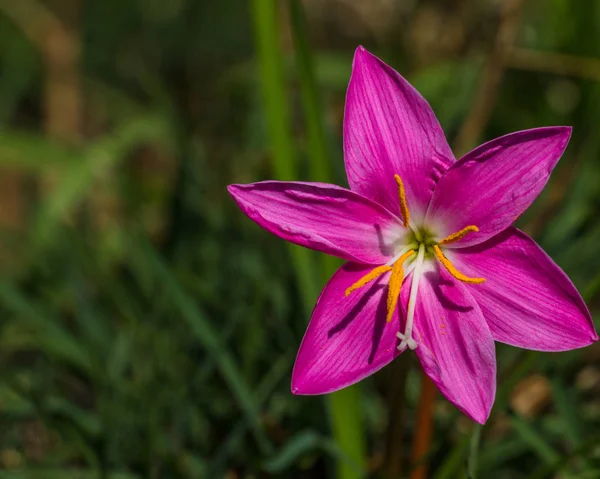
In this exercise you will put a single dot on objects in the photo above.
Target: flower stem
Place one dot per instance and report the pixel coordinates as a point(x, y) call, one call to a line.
point(344, 406)
point(347, 430)
point(272, 81)
point(473, 462)
point(424, 428)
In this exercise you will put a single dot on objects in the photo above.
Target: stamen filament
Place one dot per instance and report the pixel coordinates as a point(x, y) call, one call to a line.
point(402, 252)
point(454, 237)
point(395, 284)
point(452, 270)
point(403, 204)
point(373, 274)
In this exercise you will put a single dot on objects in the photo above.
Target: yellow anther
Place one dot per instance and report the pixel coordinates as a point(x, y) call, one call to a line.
point(403, 204)
point(454, 237)
point(395, 284)
point(374, 274)
point(394, 289)
point(452, 270)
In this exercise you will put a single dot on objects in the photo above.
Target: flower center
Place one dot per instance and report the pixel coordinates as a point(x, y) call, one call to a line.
point(424, 244)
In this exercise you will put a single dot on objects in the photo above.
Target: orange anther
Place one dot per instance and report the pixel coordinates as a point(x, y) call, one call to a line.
point(454, 237)
point(403, 204)
point(452, 270)
point(374, 274)
point(395, 284)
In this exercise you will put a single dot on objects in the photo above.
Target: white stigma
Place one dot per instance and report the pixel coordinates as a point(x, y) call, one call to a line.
point(407, 339)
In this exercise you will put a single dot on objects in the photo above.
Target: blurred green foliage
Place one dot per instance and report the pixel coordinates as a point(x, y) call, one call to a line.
point(149, 329)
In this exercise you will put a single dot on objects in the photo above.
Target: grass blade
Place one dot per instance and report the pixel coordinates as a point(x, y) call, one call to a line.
point(208, 337)
point(344, 406)
point(50, 336)
point(473, 461)
point(313, 111)
point(534, 440)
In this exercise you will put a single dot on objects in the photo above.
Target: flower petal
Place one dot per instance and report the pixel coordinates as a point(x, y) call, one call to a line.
point(491, 186)
point(527, 300)
point(348, 338)
point(456, 348)
point(389, 129)
point(323, 217)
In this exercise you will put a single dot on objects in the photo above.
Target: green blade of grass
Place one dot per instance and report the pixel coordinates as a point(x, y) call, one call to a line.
point(567, 409)
point(534, 440)
point(304, 442)
point(272, 81)
point(548, 469)
point(208, 337)
point(49, 336)
point(473, 460)
point(268, 383)
point(344, 406)
point(498, 454)
point(347, 428)
point(79, 177)
point(454, 460)
point(311, 101)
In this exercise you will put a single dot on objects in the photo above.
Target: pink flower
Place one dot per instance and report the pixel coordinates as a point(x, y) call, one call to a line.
point(434, 264)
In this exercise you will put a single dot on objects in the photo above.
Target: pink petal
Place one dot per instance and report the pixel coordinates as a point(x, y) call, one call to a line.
point(456, 348)
point(323, 217)
point(389, 129)
point(491, 186)
point(527, 300)
point(348, 338)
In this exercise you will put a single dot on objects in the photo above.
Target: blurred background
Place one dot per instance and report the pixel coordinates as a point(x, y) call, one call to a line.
point(148, 329)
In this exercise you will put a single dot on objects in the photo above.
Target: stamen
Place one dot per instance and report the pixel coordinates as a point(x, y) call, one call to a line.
point(452, 270)
point(403, 204)
point(407, 339)
point(454, 237)
point(374, 274)
point(395, 284)
point(402, 252)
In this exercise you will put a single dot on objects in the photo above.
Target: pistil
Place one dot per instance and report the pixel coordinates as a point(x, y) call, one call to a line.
point(406, 338)
point(422, 241)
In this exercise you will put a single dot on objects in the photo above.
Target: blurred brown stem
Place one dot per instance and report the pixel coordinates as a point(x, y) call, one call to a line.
point(424, 428)
point(557, 63)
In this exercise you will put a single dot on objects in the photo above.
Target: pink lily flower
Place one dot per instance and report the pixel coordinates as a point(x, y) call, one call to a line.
point(434, 264)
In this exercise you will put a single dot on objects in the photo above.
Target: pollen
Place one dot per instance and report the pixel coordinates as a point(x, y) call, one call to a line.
point(395, 284)
point(374, 274)
point(452, 270)
point(454, 237)
point(403, 204)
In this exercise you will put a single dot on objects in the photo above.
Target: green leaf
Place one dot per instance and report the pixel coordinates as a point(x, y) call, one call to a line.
point(95, 161)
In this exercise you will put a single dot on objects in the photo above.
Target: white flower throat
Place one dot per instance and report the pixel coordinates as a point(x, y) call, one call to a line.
point(422, 243)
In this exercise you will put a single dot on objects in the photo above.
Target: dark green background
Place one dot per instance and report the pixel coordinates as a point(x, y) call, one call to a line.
point(148, 328)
